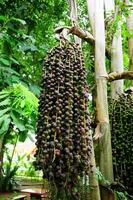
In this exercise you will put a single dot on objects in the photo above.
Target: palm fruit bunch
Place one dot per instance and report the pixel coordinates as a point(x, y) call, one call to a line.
point(63, 139)
point(122, 139)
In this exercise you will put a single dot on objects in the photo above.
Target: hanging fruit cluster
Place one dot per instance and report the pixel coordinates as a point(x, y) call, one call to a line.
point(63, 140)
point(122, 139)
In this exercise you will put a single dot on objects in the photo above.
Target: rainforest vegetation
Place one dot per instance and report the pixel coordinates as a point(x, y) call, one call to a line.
point(66, 85)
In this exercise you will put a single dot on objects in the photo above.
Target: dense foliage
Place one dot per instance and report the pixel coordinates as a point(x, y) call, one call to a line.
point(18, 110)
point(25, 37)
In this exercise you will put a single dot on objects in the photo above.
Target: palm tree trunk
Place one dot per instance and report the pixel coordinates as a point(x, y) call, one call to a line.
point(95, 193)
point(116, 51)
point(101, 101)
point(91, 13)
point(96, 15)
point(94, 185)
point(117, 63)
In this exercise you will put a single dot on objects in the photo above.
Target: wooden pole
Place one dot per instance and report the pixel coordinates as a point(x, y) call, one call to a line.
point(105, 159)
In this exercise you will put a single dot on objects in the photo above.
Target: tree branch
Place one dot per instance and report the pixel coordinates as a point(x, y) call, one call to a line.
point(82, 34)
point(122, 75)
point(85, 35)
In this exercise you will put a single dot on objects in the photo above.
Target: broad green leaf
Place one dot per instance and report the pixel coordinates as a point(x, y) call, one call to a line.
point(4, 61)
point(4, 118)
point(19, 124)
point(5, 102)
point(4, 111)
point(5, 126)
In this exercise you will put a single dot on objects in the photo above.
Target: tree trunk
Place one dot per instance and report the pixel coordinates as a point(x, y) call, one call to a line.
point(91, 13)
point(109, 6)
point(94, 193)
point(96, 15)
point(130, 29)
point(116, 51)
point(94, 185)
point(101, 100)
point(117, 63)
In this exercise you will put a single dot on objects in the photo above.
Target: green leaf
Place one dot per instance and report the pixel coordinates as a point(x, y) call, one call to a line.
point(4, 118)
point(18, 20)
point(3, 95)
point(35, 89)
point(14, 61)
point(12, 79)
point(28, 47)
point(23, 136)
point(75, 190)
point(22, 104)
point(4, 111)
point(5, 102)
point(9, 70)
point(33, 47)
point(5, 126)
point(4, 61)
point(2, 18)
point(17, 122)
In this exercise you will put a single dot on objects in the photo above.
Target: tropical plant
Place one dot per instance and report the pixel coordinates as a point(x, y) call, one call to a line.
point(8, 181)
point(18, 110)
